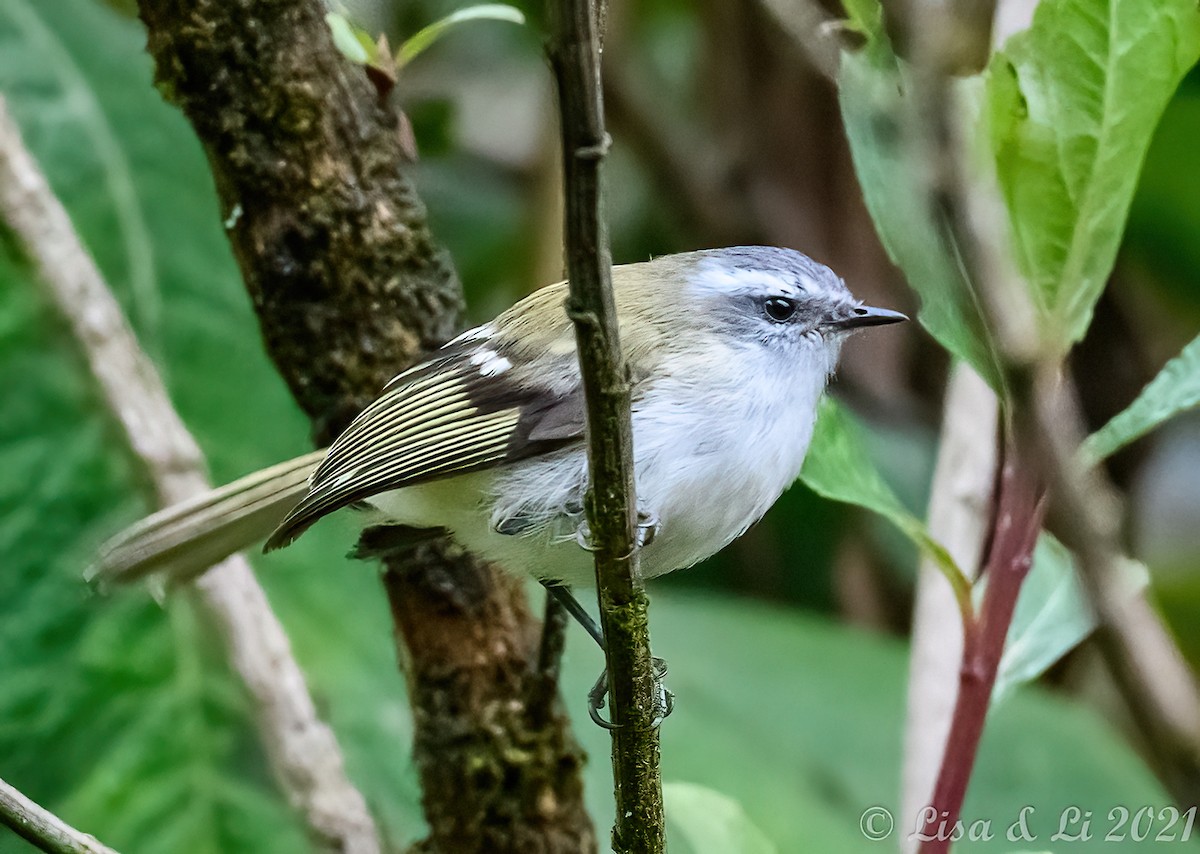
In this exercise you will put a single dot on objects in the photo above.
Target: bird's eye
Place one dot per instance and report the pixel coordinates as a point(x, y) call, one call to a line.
point(779, 309)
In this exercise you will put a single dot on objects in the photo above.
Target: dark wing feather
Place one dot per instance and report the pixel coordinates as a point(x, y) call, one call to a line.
point(442, 418)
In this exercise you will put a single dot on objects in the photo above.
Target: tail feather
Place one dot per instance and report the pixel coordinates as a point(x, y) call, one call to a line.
point(183, 540)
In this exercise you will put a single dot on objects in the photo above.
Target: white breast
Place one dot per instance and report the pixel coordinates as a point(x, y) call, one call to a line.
point(713, 465)
point(714, 449)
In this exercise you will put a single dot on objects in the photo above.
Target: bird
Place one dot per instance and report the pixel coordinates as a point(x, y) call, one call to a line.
point(729, 352)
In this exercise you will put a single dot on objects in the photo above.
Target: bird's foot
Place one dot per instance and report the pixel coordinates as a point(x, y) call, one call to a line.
point(599, 693)
point(647, 528)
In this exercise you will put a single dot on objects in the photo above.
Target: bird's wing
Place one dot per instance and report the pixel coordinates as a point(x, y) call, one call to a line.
point(467, 409)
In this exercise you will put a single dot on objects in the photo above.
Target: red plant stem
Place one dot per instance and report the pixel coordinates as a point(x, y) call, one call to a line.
point(1019, 511)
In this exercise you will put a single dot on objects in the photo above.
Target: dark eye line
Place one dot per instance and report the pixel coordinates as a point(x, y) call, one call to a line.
point(779, 309)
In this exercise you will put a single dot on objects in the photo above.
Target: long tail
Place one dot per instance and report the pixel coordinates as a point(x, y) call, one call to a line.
point(183, 540)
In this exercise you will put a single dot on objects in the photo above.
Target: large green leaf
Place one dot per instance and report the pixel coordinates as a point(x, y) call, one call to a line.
point(874, 94)
point(1073, 102)
point(116, 714)
point(119, 714)
point(801, 723)
point(1175, 389)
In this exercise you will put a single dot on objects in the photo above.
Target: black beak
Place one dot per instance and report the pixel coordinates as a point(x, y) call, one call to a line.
point(863, 315)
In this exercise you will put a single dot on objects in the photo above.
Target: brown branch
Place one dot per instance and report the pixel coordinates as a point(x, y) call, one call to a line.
point(1015, 526)
point(555, 621)
point(946, 42)
point(303, 752)
point(350, 286)
point(574, 50)
point(37, 825)
point(941, 48)
point(499, 770)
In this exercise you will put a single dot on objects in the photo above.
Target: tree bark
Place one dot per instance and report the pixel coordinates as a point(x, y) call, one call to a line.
point(350, 286)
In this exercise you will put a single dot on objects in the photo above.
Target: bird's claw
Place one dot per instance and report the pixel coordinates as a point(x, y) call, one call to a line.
point(599, 692)
point(647, 528)
point(583, 536)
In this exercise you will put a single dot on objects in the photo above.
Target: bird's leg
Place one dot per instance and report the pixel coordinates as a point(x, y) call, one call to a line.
point(599, 691)
point(567, 599)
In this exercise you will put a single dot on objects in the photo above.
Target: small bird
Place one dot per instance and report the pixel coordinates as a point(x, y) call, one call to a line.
point(729, 352)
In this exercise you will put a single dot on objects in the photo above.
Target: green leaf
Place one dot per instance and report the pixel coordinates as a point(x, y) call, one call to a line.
point(353, 42)
point(866, 18)
point(839, 468)
point(1175, 389)
point(704, 821)
point(1053, 614)
point(426, 36)
point(116, 713)
point(1072, 105)
point(801, 722)
point(873, 91)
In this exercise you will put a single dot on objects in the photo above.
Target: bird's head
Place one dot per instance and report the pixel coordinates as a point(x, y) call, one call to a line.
point(778, 301)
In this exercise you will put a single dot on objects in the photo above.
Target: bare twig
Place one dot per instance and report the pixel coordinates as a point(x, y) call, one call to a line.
point(302, 749)
point(37, 825)
point(959, 511)
point(948, 41)
point(544, 687)
point(612, 506)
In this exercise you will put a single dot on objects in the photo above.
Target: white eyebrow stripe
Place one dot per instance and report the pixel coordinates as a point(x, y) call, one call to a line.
point(719, 279)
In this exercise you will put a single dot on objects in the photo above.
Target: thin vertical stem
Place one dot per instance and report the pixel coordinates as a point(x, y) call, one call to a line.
point(1020, 508)
point(574, 51)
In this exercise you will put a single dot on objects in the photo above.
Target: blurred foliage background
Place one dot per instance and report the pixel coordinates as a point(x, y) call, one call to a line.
point(787, 651)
